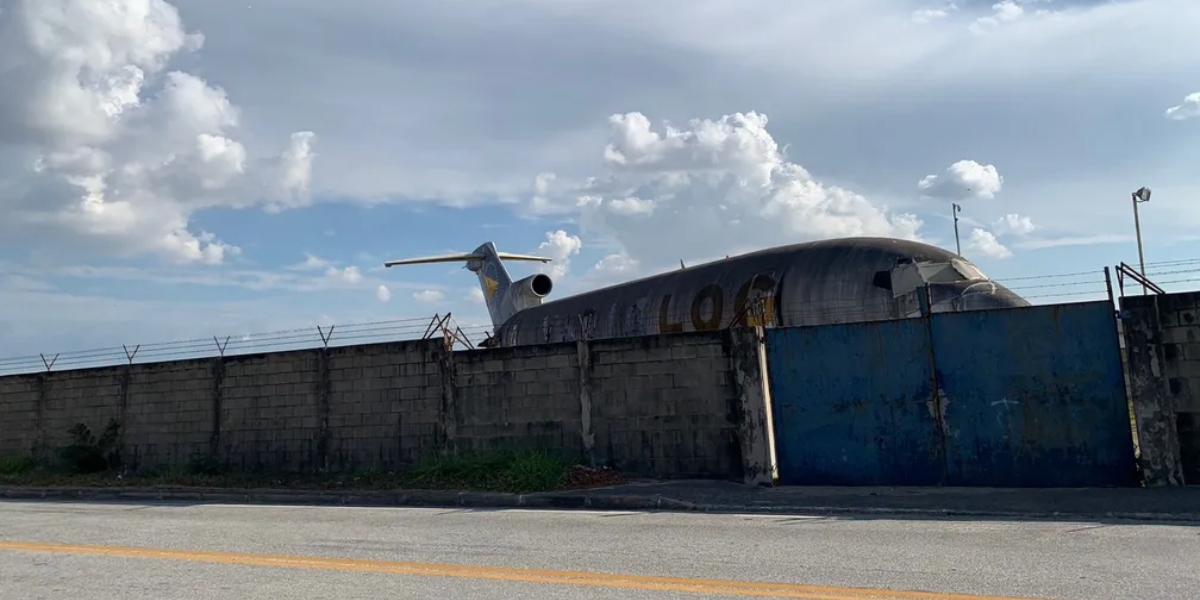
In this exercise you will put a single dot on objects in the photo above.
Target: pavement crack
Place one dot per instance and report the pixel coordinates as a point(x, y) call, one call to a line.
point(1087, 528)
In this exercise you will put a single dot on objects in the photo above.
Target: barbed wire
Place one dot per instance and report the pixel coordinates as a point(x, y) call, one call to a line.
point(1047, 289)
point(1181, 261)
point(1053, 276)
point(1096, 286)
point(233, 345)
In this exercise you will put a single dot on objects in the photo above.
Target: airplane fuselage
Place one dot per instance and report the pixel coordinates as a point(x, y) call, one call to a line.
point(815, 283)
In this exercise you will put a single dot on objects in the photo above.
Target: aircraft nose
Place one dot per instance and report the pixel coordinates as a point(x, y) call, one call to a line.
point(980, 295)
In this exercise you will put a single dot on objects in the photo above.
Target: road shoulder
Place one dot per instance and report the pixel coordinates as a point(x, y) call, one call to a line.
point(1135, 504)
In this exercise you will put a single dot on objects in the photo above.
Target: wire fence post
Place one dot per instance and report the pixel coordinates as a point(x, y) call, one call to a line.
point(129, 355)
point(50, 363)
point(221, 347)
point(1108, 285)
point(433, 323)
point(325, 336)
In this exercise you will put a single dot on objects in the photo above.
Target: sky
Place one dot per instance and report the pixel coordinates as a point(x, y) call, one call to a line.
point(188, 168)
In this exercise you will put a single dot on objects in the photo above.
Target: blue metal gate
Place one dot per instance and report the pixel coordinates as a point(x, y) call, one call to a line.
point(851, 404)
point(1034, 397)
point(1016, 397)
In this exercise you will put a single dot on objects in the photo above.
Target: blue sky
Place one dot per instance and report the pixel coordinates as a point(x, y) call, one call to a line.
point(186, 168)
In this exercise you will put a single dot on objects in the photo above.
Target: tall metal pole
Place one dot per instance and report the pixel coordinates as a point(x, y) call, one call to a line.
point(957, 245)
point(1137, 226)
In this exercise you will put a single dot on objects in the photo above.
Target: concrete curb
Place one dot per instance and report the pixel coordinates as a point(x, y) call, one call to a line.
point(557, 500)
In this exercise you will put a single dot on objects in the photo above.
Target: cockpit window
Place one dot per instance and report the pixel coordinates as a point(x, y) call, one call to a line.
point(968, 270)
point(939, 273)
point(954, 271)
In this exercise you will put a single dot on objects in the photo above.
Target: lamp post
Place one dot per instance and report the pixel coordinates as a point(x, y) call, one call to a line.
point(1141, 195)
point(957, 209)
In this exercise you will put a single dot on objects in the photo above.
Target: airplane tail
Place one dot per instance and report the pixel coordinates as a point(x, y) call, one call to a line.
point(503, 296)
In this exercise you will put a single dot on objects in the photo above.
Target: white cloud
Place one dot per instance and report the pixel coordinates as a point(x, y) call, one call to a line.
point(293, 177)
point(709, 188)
point(631, 206)
point(382, 293)
point(1013, 224)
point(929, 15)
point(1008, 11)
point(1188, 109)
point(311, 262)
point(127, 278)
point(984, 242)
point(349, 274)
point(610, 269)
point(963, 180)
point(475, 296)
point(616, 264)
point(393, 124)
point(559, 246)
point(110, 150)
point(1087, 240)
point(429, 296)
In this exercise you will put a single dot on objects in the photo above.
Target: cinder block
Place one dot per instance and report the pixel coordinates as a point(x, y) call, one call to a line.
point(656, 368)
point(559, 361)
point(1181, 334)
point(687, 352)
point(655, 382)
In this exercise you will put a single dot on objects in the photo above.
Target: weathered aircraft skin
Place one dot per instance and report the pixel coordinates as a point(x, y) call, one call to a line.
point(815, 283)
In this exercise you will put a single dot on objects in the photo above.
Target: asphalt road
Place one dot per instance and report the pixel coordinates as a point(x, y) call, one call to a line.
point(111, 551)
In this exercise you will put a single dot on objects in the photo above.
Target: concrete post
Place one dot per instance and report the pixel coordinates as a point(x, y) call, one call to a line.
point(756, 432)
point(1153, 407)
point(584, 354)
point(447, 411)
point(323, 392)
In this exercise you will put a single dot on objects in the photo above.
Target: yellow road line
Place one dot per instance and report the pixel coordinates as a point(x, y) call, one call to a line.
point(672, 584)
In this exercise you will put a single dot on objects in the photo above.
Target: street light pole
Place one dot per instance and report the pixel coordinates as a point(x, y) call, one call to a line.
point(1141, 195)
point(957, 246)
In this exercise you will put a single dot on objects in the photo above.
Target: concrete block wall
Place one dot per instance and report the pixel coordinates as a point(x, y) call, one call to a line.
point(21, 414)
point(667, 406)
point(91, 398)
point(168, 412)
point(664, 405)
point(267, 411)
point(1162, 339)
point(384, 404)
point(520, 398)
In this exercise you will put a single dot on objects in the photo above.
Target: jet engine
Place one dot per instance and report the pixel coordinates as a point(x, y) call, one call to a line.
point(530, 291)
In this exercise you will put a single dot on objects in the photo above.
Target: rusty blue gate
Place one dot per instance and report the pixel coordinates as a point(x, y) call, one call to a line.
point(851, 404)
point(1018, 397)
point(1034, 396)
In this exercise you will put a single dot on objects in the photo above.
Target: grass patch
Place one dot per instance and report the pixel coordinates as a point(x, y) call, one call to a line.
point(517, 472)
point(18, 465)
point(512, 472)
point(88, 453)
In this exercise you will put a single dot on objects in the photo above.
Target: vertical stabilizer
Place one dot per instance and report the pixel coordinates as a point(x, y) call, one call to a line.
point(494, 281)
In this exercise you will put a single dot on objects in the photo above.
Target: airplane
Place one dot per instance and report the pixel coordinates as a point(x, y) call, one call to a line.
point(823, 282)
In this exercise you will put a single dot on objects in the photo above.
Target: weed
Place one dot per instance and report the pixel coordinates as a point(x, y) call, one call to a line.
point(203, 464)
point(89, 454)
point(517, 472)
point(17, 465)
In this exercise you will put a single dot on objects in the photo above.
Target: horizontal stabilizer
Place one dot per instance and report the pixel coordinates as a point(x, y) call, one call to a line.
point(529, 257)
point(441, 258)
